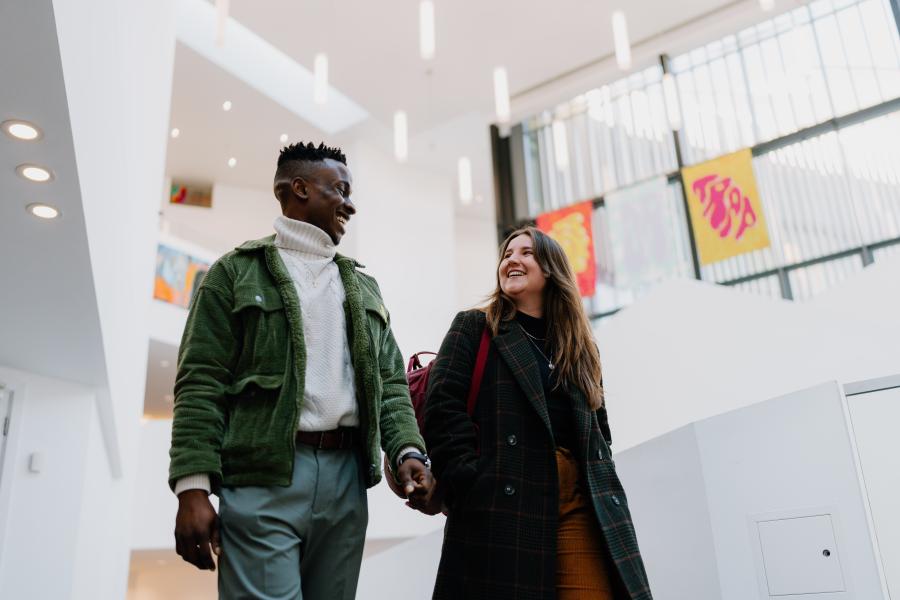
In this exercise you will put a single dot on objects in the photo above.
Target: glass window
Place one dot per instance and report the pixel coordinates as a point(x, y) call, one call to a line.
point(763, 286)
point(821, 195)
point(810, 281)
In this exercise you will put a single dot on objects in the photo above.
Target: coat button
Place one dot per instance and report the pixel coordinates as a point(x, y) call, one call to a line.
point(600, 453)
point(258, 298)
point(615, 500)
point(509, 490)
point(511, 440)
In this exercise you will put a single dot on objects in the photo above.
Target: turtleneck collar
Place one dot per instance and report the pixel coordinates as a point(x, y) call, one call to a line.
point(303, 237)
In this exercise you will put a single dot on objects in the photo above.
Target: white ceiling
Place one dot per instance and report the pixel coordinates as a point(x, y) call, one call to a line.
point(49, 321)
point(374, 59)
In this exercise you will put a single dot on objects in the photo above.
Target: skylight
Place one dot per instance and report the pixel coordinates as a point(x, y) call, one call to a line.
point(263, 67)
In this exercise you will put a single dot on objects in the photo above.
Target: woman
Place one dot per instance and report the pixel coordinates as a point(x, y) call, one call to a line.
point(535, 509)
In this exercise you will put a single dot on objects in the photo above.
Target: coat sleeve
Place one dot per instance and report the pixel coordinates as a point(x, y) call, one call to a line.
point(449, 431)
point(398, 425)
point(206, 359)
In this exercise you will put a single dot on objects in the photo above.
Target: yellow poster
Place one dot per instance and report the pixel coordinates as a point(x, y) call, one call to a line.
point(726, 213)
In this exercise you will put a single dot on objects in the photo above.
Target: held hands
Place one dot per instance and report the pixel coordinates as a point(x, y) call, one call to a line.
point(197, 529)
point(417, 483)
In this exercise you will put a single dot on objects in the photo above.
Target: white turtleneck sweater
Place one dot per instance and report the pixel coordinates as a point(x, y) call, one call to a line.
point(329, 397)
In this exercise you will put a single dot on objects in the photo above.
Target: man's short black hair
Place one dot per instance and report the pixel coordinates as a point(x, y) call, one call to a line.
point(309, 152)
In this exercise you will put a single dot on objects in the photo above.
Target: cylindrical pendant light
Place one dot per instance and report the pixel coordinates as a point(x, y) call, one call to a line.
point(620, 37)
point(501, 95)
point(221, 21)
point(401, 136)
point(320, 82)
point(464, 166)
point(426, 29)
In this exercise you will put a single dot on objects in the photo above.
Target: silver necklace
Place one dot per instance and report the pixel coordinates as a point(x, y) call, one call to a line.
point(550, 364)
point(534, 337)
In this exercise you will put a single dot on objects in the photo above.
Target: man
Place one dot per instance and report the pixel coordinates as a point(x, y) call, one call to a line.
point(289, 380)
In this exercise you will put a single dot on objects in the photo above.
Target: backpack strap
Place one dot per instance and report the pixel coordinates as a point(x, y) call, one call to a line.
point(478, 373)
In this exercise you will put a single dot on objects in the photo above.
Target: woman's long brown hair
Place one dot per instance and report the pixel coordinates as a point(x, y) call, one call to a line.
point(568, 330)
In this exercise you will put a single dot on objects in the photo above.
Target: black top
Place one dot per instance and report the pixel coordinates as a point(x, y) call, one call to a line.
point(558, 401)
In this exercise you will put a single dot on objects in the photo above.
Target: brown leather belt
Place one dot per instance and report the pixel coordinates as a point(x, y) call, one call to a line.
point(342, 438)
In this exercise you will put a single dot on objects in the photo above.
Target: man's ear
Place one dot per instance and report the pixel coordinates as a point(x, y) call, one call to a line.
point(299, 187)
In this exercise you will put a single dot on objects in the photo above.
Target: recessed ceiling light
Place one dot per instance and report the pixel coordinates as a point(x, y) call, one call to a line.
point(175, 132)
point(34, 173)
point(501, 95)
point(21, 130)
point(226, 106)
point(43, 211)
point(232, 162)
point(283, 138)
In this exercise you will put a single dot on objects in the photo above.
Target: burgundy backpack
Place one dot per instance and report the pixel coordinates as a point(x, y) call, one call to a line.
point(417, 377)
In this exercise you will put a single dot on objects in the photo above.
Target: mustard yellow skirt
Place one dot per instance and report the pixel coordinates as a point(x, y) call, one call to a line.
point(582, 563)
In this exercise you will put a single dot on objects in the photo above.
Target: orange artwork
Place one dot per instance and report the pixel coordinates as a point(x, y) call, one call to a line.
point(571, 228)
point(177, 276)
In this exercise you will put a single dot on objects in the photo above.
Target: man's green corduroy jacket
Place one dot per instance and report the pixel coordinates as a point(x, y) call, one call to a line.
point(241, 368)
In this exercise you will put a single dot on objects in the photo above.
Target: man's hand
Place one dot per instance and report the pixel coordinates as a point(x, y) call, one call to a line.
point(416, 481)
point(196, 529)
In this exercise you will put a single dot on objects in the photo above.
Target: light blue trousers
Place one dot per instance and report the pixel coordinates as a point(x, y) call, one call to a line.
point(302, 542)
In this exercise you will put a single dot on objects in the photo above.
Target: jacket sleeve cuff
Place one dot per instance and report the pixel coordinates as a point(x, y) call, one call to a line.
point(199, 481)
point(405, 450)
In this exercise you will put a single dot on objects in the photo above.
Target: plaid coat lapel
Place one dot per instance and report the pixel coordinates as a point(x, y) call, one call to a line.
point(515, 349)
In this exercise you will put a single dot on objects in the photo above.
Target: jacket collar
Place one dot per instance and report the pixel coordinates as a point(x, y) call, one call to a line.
point(514, 348)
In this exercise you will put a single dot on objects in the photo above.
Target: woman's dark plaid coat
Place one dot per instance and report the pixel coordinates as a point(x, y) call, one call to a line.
point(500, 537)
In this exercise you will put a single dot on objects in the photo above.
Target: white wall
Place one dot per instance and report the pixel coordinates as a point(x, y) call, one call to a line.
point(476, 259)
point(691, 350)
point(403, 233)
point(874, 417)
point(40, 512)
point(153, 500)
point(237, 214)
point(117, 64)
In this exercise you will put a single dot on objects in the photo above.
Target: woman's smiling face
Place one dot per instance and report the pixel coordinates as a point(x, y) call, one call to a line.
point(519, 273)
